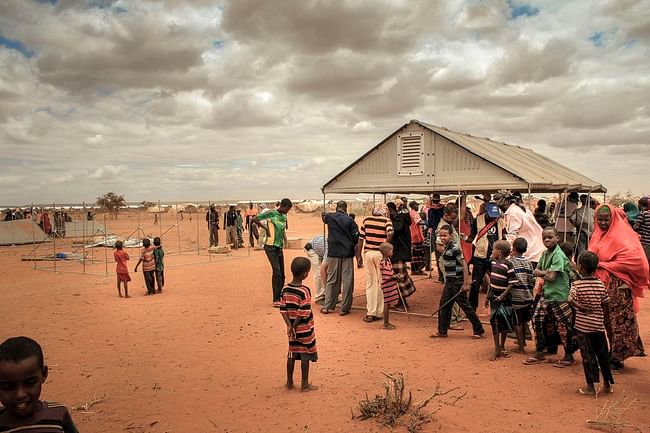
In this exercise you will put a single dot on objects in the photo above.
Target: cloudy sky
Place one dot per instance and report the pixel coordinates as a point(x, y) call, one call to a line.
point(197, 100)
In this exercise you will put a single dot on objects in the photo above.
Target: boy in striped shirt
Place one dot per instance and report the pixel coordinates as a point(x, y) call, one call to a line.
point(590, 299)
point(22, 374)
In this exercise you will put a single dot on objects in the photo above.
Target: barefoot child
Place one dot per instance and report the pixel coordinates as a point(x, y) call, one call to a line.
point(553, 268)
point(159, 255)
point(457, 283)
point(122, 270)
point(502, 279)
point(148, 266)
point(590, 299)
point(22, 374)
point(522, 291)
point(295, 307)
point(388, 282)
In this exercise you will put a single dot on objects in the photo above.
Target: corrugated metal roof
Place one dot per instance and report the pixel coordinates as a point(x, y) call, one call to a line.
point(542, 173)
point(538, 172)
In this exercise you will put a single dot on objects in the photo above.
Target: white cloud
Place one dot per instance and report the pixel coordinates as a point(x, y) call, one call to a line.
point(201, 99)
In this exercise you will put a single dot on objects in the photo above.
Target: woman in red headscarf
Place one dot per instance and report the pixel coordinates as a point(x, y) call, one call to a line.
point(624, 270)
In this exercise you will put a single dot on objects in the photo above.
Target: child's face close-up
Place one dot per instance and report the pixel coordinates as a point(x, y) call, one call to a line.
point(388, 252)
point(20, 386)
point(550, 239)
point(445, 237)
point(496, 254)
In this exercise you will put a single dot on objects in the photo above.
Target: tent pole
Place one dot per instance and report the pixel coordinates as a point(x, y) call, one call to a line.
point(83, 222)
point(160, 220)
point(530, 197)
point(105, 246)
point(210, 231)
point(54, 237)
point(321, 218)
point(198, 229)
point(33, 234)
point(566, 202)
point(178, 232)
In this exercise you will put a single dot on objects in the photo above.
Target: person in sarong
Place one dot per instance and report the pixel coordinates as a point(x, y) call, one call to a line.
point(417, 240)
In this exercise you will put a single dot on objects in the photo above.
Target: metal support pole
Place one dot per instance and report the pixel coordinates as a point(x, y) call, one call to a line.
point(54, 238)
point(83, 224)
point(33, 234)
point(160, 219)
point(566, 202)
point(198, 230)
point(105, 246)
point(178, 232)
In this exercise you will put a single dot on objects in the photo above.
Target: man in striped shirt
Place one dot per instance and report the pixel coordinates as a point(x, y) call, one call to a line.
point(642, 225)
point(590, 299)
point(22, 374)
point(375, 230)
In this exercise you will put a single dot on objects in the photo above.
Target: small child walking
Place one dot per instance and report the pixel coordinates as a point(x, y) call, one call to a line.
point(22, 375)
point(522, 292)
point(388, 282)
point(502, 280)
point(122, 270)
point(148, 266)
point(590, 299)
point(295, 307)
point(159, 256)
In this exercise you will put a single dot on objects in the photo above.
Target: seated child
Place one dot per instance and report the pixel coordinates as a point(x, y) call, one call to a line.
point(590, 299)
point(502, 279)
point(522, 291)
point(22, 374)
point(388, 282)
point(295, 307)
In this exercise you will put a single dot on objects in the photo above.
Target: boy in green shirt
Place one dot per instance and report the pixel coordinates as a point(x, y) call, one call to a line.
point(277, 224)
point(553, 268)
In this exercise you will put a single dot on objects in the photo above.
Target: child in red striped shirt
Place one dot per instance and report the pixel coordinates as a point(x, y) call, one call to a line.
point(295, 307)
point(388, 282)
point(121, 269)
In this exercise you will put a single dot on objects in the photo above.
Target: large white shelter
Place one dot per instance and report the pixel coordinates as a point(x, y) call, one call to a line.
point(422, 158)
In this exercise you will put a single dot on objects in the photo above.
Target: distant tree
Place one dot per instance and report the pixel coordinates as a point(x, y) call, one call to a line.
point(618, 199)
point(147, 204)
point(112, 203)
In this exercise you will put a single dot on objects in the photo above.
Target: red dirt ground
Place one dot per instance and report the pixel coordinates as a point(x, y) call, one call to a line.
point(209, 354)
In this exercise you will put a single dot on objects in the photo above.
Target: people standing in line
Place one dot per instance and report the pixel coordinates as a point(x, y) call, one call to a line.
point(489, 229)
point(274, 223)
point(434, 215)
point(457, 283)
point(642, 226)
point(121, 269)
point(563, 224)
point(589, 298)
point(417, 240)
point(212, 218)
point(623, 268)
point(375, 230)
point(230, 226)
point(316, 250)
point(449, 218)
point(342, 239)
point(583, 219)
point(148, 266)
point(159, 257)
point(401, 241)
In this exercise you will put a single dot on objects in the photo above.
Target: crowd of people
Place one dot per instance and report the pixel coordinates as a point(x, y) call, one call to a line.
point(574, 273)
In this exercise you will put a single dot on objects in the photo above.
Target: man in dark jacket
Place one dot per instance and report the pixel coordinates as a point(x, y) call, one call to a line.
point(401, 249)
point(212, 218)
point(342, 238)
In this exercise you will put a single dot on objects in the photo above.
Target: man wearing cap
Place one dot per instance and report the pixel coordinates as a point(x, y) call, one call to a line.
point(489, 229)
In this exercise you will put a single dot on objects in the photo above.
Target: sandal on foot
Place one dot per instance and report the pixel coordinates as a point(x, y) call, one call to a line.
point(518, 350)
point(479, 336)
point(438, 335)
point(326, 311)
point(368, 319)
point(456, 327)
point(563, 363)
point(586, 391)
point(534, 360)
point(505, 354)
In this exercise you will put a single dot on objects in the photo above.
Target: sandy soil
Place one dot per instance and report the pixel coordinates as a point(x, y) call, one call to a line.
point(209, 354)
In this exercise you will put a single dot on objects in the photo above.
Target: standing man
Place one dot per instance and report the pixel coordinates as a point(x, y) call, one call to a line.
point(563, 223)
point(274, 229)
point(212, 217)
point(583, 219)
point(230, 226)
point(316, 250)
point(489, 229)
point(342, 239)
point(253, 235)
point(521, 224)
point(375, 230)
point(434, 215)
